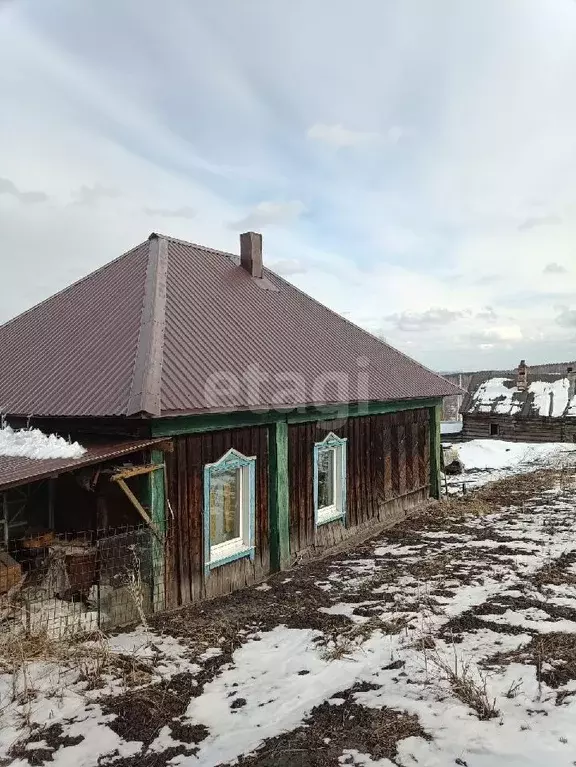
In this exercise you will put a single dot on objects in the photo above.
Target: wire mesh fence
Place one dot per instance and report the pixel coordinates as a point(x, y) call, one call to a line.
point(65, 584)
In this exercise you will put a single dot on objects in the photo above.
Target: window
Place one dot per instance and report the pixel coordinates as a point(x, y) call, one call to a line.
point(330, 479)
point(229, 509)
point(494, 429)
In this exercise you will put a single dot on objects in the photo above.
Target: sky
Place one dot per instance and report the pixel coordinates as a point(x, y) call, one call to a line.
point(410, 164)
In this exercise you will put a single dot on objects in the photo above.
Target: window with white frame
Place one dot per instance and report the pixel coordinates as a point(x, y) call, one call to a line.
point(329, 479)
point(229, 509)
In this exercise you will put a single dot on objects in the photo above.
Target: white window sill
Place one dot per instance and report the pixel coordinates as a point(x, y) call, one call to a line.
point(329, 514)
point(228, 552)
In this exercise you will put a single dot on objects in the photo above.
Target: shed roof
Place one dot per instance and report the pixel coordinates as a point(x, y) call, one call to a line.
point(16, 471)
point(171, 328)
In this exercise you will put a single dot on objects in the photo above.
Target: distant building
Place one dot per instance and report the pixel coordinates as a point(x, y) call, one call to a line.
point(525, 405)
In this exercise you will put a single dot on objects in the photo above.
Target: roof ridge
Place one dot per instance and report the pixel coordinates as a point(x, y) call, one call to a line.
point(69, 287)
point(145, 389)
point(195, 245)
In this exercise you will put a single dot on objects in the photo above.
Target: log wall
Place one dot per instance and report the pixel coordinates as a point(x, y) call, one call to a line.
point(388, 473)
point(185, 580)
point(477, 426)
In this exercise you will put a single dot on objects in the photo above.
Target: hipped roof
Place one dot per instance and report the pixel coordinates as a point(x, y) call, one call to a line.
point(145, 335)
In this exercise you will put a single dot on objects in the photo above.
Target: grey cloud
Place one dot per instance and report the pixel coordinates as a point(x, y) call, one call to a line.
point(183, 212)
point(432, 318)
point(28, 198)
point(288, 266)
point(487, 279)
point(567, 318)
point(269, 214)
point(533, 222)
point(554, 268)
point(91, 195)
point(487, 314)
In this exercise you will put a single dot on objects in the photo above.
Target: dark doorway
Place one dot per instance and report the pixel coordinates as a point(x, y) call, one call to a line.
point(494, 429)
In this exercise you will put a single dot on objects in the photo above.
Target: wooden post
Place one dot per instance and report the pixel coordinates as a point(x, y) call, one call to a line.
point(158, 515)
point(279, 502)
point(435, 450)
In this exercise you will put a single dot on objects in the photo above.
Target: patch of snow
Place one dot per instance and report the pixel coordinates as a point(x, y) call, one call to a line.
point(263, 587)
point(498, 454)
point(33, 443)
point(493, 396)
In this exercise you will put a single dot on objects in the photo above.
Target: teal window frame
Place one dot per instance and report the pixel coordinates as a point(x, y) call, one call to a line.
point(338, 511)
point(246, 544)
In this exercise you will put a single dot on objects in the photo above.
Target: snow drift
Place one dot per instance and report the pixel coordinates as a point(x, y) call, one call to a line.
point(33, 443)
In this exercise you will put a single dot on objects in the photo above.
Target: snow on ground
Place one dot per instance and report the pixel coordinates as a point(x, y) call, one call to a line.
point(487, 460)
point(443, 618)
point(33, 443)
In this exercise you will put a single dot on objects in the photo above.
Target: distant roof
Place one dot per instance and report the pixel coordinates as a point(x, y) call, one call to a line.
point(171, 328)
point(19, 471)
point(549, 395)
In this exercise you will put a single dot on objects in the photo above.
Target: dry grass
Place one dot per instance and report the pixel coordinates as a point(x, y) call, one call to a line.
point(346, 642)
point(468, 684)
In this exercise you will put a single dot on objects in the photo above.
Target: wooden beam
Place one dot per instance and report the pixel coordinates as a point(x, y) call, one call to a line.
point(136, 470)
point(157, 495)
point(139, 508)
point(193, 424)
point(435, 449)
point(279, 496)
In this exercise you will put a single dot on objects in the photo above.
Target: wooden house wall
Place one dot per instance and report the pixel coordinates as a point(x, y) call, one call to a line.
point(388, 472)
point(477, 426)
point(185, 581)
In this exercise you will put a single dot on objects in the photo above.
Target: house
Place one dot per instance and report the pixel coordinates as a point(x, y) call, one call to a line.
point(525, 405)
point(235, 422)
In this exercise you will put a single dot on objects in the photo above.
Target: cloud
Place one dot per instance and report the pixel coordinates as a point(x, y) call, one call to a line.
point(28, 198)
point(504, 334)
point(91, 195)
point(269, 214)
point(554, 268)
point(533, 222)
point(432, 318)
point(487, 314)
point(567, 318)
point(183, 212)
point(338, 136)
point(288, 266)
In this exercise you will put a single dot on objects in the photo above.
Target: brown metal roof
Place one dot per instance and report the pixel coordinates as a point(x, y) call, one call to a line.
point(21, 471)
point(149, 332)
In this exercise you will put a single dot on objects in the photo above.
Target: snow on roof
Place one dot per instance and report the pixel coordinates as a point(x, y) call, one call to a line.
point(543, 398)
point(33, 443)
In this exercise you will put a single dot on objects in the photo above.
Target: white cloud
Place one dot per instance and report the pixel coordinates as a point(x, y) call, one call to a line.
point(269, 214)
point(339, 136)
point(421, 321)
point(181, 212)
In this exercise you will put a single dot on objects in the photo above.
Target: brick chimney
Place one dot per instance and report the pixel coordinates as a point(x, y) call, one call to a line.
point(522, 376)
point(251, 253)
